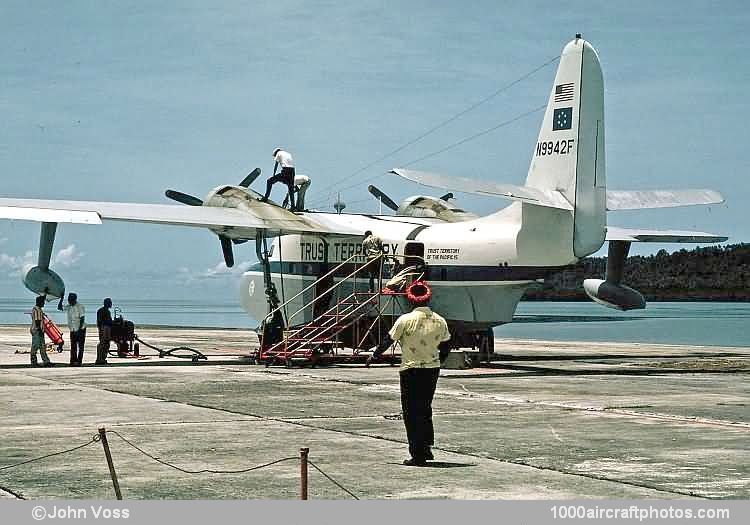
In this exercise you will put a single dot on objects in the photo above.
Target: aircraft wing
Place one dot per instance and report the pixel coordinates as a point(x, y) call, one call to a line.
point(646, 199)
point(615, 233)
point(259, 216)
point(548, 198)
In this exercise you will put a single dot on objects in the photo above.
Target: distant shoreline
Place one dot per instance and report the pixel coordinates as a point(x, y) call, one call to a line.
point(710, 274)
point(148, 326)
point(680, 299)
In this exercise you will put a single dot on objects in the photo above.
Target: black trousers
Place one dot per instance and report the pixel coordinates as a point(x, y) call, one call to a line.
point(102, 349)
point(417, 390)
point(372, 269)
point(77, 340)
point(287, 177)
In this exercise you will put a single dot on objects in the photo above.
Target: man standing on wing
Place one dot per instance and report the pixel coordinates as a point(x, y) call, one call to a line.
point(301, 183)
point(286, 175)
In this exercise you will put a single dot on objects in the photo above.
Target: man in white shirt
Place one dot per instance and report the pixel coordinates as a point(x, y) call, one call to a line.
point(301, 183)
point(286, 175)
point(77, 326)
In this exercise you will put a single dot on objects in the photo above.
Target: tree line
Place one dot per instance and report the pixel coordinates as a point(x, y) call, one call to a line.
point(713, 273)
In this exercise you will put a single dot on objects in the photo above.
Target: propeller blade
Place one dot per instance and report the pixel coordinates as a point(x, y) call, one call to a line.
point(226, 248)
point(447, 196)
point(385, 199)
point(247, 181)
point(184, 198)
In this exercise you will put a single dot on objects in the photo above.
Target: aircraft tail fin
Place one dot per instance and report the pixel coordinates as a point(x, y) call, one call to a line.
point(569, 153)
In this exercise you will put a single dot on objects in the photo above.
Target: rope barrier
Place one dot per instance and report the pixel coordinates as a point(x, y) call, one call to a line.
point(202, 471)
point(97, 438)
point(329, 478)
point(93, 440)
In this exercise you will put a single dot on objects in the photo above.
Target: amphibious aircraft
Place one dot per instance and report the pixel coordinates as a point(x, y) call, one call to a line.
point(479, 267)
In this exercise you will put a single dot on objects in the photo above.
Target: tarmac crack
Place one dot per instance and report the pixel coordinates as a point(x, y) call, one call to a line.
point(495, 398)
point(459, 452)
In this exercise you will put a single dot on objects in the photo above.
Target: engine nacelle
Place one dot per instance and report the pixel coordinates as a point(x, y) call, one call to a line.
point(614, 295)
point(44, 282)
point(431, 207)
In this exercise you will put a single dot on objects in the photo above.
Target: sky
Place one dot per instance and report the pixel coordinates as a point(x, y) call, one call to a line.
point(119, 100)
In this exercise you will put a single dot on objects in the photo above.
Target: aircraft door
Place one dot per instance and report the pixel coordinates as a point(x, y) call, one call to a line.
point(414, 254)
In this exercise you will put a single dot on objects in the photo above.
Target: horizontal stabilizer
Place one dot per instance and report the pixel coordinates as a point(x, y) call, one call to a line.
point(536, 196)
point(647, 199)
point(636, 235)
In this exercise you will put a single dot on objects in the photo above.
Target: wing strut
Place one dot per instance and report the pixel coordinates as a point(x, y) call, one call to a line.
point(610, 291)
point(273, 329)
point(40, 279)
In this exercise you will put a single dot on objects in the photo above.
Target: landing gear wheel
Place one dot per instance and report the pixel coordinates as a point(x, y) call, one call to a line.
point(486, 346)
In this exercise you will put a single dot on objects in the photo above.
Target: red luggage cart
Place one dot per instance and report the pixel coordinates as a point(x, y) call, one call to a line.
point(54, 333)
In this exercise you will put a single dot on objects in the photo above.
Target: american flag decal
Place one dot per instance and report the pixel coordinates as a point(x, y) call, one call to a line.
point(564, 92)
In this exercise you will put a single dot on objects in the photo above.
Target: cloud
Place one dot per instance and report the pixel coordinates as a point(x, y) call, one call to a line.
point(68, 256)
point(220, 270)
point(18, 265)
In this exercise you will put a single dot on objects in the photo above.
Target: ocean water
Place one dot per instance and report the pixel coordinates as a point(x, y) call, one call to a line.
point(168, 312)
point(695, 323)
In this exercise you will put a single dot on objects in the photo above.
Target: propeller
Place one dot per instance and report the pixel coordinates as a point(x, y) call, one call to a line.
point(247, 181)
point(385, 199)
point(226, 242)
point(226, 249)
point(184, 198)
point(447, 196)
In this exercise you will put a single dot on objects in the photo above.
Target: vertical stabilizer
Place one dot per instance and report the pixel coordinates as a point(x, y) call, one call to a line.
point(569, 154)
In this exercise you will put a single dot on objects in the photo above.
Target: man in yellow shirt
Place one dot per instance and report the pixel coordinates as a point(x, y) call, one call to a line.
point(420, 333)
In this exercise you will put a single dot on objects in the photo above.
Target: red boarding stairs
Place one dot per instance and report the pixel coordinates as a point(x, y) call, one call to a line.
point(357, 317)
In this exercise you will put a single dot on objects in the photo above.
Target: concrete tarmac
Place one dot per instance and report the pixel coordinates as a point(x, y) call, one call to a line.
point(547, 420)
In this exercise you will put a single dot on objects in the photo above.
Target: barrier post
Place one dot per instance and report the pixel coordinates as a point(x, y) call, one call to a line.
point(303, 453)
point(108, 455)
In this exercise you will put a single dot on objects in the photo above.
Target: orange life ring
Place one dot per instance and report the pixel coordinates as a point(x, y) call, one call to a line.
point(419, 293)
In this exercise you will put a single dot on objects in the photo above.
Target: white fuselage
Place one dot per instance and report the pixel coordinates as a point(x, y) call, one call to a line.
point(478, 269)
